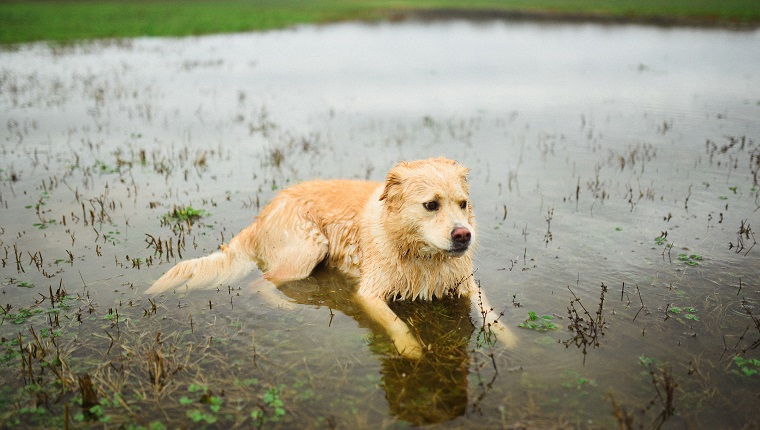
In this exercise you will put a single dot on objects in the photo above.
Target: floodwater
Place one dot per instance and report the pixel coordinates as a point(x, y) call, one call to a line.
point(614, 174)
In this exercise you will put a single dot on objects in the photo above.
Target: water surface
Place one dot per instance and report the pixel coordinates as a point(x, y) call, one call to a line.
point(614, 172)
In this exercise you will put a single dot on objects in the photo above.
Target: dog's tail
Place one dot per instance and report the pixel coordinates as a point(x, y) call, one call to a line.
point(224, 267)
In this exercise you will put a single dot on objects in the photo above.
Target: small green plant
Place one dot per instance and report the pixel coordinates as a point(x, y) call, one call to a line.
point(272, 404)
point(691, 315)
point(199, 414)
point(46, 333)
point(662, 239)
point(95, 413)
point(44, 225)
point(539, 324)
point(645, 361)
point(690, 259)
point(103, 168)
point(22, 315)
point(689, 312)
point(184, 214)
point(9, 350)
point(273, 400)
point(39, 208)
point(747, 366)
point(112, 237)
point(576, 381)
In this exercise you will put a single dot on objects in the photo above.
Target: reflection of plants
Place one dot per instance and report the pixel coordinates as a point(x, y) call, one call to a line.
point(539, 324)
point(162, 365)
point(664, 398)
point(747, 366)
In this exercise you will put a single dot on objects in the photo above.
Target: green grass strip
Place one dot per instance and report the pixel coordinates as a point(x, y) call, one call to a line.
point(68, 20)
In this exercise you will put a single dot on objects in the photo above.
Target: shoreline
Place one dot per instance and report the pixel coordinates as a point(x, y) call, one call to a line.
point(483, 15)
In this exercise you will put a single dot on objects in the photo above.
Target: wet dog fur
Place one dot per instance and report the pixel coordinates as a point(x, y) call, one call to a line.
point(408, 238)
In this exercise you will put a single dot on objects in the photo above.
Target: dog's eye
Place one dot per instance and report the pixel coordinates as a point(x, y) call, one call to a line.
point(431, 205)
point(463, 204)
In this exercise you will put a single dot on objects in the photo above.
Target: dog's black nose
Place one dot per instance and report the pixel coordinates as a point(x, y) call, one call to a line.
point(460, 236)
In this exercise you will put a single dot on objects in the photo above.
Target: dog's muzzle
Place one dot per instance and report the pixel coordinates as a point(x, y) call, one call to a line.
point(460, 239)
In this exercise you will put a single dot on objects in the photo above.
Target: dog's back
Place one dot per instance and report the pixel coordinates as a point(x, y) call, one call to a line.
point(317, 219)
point(324, 215)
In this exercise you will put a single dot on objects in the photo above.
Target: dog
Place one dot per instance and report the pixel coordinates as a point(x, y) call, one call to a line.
point(408, 238)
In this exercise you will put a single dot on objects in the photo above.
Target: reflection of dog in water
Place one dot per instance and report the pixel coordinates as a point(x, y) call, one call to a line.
point(408, 238)
point(431, 390)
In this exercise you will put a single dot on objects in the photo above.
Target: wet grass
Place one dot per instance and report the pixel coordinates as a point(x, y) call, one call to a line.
point(67, 20)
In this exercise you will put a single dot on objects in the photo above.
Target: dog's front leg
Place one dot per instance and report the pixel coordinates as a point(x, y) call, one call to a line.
point(402, 338)
point(490, 318)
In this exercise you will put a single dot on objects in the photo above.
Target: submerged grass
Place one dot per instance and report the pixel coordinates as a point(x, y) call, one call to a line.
point(127, 372)
point(69, 20)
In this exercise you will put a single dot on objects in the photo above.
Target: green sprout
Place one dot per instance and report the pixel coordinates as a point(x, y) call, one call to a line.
point(184, 214)
point(539, 324)
point(689, 312)
point(748, 366)
point(690, 259)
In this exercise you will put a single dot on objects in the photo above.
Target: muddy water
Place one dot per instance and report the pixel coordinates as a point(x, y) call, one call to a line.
point(614, 176)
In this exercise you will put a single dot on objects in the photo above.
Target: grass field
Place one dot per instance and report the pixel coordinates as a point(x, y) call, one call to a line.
point(67, 20)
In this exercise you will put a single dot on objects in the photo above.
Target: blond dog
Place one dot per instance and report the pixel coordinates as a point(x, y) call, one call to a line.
point(408, 238)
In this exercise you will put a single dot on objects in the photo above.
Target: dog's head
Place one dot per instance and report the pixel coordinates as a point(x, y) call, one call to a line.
point(427, 207)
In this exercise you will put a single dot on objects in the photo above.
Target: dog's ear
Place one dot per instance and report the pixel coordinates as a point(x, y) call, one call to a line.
point(393, 183)
point(463, 172)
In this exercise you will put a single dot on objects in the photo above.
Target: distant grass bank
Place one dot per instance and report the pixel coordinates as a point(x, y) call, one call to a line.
point(67, 20)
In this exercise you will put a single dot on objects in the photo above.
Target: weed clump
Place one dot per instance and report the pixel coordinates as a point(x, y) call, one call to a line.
point(184, 214)
point(587, 328)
